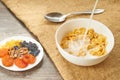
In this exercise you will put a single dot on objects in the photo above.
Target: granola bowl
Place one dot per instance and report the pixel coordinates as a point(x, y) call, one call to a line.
point(88, 59)
point(21, 66)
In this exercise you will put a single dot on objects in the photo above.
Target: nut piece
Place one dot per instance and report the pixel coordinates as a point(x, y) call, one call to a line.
point(23, 50)
point(12, 52)
point(18, 53)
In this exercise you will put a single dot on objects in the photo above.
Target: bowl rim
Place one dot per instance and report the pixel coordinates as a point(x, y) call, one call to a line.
point(81, 57)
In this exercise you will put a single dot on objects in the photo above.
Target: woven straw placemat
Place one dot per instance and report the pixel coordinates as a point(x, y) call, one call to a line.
point(31, 13)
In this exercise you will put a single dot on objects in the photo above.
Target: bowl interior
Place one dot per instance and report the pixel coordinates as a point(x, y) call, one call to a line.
point(83, 22)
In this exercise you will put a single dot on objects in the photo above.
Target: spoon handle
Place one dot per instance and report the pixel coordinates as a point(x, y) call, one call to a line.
point(97, 11)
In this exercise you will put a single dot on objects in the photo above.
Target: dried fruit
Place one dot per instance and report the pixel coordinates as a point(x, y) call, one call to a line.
point(28, 58)
point(20, 63)
point(12, 43)
point(3, 52)
point(7, 61)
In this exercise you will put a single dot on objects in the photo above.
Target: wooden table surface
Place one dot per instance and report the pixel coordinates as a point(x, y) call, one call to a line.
point(10, 26)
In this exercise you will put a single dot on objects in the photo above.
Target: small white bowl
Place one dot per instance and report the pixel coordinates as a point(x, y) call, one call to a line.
point(39, 57)
point(83, 22)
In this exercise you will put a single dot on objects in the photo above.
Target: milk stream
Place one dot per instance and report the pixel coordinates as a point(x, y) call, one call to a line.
point(89, 24)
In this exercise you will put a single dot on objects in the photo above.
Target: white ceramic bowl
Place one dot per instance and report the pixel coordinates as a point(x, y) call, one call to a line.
point(83, 22)
point(39, 57)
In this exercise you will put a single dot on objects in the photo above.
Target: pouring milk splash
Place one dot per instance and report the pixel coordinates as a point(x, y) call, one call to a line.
point(89, 24)
point(90, 20)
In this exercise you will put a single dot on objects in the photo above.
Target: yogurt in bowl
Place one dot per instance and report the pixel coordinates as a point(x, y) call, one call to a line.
point(85, 58)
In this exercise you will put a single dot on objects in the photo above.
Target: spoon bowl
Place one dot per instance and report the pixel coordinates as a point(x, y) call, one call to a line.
point(55, 17)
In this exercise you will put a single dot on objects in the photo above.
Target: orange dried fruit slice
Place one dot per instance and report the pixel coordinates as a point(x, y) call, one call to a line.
point(20, 63)
point(29, 58)
point(7, 61)
point(3, 52)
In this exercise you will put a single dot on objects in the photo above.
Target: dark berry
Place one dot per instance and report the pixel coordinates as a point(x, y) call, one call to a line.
point(16, 47)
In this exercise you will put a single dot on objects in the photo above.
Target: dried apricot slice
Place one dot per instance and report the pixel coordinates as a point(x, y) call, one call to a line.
point(29, 58)
point(7, 61)
point(20, 63)
point(3, 52)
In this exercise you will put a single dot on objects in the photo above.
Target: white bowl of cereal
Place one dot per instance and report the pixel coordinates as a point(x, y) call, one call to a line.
point(80, 50)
